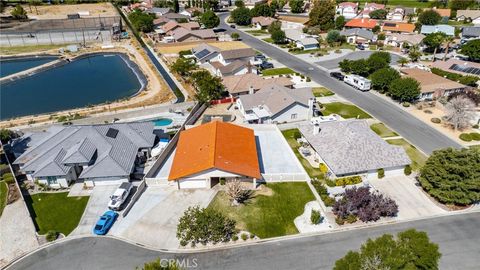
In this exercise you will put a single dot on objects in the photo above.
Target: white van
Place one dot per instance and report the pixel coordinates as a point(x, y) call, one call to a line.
point(358, 82)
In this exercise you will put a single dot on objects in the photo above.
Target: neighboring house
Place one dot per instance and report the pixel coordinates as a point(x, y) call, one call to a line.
point(396, 14)
point(458, 66)
point(252, 3)
point(350, 147)
point(229, 56)
point(237, 67)
point(159, 11)
point(444, 12)
point(398, 40)
point(348, 10)
point(251, 83)
point(213, 151)
point(185, 35)
point(190, 12)
point(358, 35)
point(204, 53)
point(369, 7)
point(276, 104)
point(174, 16)
point(447, 29)
point(433, 86)
point(472, 15)
point(172, 25)
point(398, 27)
point(361, 23)
point(302, 40)
point(96, 154)
point(471, 32)
point(262, 22)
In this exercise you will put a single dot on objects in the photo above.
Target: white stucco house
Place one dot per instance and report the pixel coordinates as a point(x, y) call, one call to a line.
point(348, 10)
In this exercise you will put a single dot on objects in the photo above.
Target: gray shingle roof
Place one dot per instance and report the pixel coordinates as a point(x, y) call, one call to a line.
point(358, 32)
point(350, 146)
point(237, 53)
point(472, 31)
point(78, 144)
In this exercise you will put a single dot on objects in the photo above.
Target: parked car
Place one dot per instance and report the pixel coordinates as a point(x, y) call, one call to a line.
point(358, 82)
point(266, 65)
point(233, 26)
point(260, 57)
point(105, 222)
point(120, 195)
point(337, 75)
point(360, 47)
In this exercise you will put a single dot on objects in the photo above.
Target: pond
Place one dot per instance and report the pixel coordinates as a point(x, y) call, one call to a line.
point(92, 80)
point(11, 66)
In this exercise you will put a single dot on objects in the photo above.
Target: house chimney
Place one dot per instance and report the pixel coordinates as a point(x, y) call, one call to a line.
point(251, 91)
point(316, 129)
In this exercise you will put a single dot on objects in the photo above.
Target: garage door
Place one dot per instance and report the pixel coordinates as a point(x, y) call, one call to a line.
point(193, 183)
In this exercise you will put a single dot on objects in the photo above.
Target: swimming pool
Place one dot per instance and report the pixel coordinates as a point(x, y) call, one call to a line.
point(162, 122)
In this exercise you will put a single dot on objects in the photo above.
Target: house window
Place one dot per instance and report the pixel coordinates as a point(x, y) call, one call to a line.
point(51, 180)
point(293, 116)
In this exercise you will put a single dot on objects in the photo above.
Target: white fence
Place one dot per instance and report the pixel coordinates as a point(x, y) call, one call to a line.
point(285, 177)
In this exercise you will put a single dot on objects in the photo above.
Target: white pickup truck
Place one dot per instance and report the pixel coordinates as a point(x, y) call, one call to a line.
point(120, 195)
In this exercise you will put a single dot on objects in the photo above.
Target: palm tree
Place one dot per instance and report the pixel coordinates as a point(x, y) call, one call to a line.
point(402, 61)
point(448, 40)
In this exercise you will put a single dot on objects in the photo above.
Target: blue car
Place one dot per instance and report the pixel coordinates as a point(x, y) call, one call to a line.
point(105, 223)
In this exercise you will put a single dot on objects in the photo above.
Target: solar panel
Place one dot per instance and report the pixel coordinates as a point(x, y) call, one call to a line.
point(465, 69)
point(202, 53)
point(112, 133)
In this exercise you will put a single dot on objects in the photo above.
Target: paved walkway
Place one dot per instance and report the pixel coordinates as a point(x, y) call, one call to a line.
point(17, 232)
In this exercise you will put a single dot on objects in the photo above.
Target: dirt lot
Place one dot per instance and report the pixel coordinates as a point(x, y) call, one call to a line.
point(60, 11)
point(175, 48)
point(294, 19)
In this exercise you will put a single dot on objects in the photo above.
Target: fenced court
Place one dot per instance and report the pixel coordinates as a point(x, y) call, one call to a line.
point(62, 31)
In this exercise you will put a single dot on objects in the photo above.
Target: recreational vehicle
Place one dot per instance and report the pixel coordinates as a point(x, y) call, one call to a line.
point(358, 82)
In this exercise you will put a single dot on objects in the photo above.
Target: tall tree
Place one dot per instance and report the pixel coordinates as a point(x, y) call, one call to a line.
point(19, 13)
point(339, 22)
point(323, 14)
point(176, 6)
point(382, 78)
point(296, 6)
point(404, 89)
point(460, 111)
point(411, 250)
point(472, 49)
point(262, 10)
point(241, 16)
point(429, 17)
point(209, 19)
point(379, 14)
point(447, 41)
point(278, 36)
point(433, 41)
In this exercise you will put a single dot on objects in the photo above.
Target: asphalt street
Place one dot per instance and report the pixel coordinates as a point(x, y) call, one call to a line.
point(417, 132)
point(457, 236)
point(332, 64)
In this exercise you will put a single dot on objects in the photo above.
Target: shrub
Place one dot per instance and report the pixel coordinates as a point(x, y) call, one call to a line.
point(323, 168)
point(315, 217)
point(297, 135)
point(51, 236)
point(351, 219)
point(235, 237)
point(351, 180)
point(308, 79)
point(327, 200)
point(436, 120)
point(222, 181)
point(321, 190)
point(407, 170)
point(339, 220)
point(7, 175)
point(244, 236)
point(475, 126)
point(330, 183)
point(475, 136)
point(381, 173)
point(427, 111)
point(465, 137)
point(406, 104)
point(252, 236)
point(183, 243)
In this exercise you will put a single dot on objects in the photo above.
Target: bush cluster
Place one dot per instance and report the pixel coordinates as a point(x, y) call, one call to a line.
point(315, 217)
point(51, 236)
point(436, 120)
point(364, 205)
point(381, 173)
point(323, 193)
point(468, 137)
point(351, 180)
point(8, 178)
point(323, 168)
point(407, 170)
point(466, 80)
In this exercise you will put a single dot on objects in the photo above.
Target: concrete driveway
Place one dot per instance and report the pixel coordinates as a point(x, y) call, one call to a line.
point(333, 63)
point(154, 217)
point(96, 206)
point(412, 202)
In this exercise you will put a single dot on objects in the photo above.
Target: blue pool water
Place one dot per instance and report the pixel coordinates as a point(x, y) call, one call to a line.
point(162, 122)
point(89, 81)
point(9, 67)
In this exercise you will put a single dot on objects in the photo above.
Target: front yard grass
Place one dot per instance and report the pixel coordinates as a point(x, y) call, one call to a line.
point(56, 211)
point(382, 130)
point(322, 92)
point(268, 40)
point(268, 215)
point(417, 157)
point(277, 71)
point(257, 32)
point(3, 196)
point(312, 172)
point(344, 110)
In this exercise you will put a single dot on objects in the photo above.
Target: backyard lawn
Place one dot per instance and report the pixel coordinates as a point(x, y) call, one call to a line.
point(344, 110)
point(312, 172)
point(322, 92)
point(270, 214)
point(417, 157)
point(3, 196)
point(277, 71)
point(56, 211)
point(382, 130)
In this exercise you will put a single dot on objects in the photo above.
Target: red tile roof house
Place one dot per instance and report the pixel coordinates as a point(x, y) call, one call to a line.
point(361, 23)
point(369, 7)
point(209, 152)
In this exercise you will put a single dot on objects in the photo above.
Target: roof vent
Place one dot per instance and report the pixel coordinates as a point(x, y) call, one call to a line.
point(112, 133)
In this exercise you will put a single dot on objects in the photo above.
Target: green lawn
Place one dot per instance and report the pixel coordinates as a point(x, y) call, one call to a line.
point(56, 211)
point(268, 215)
point(405, 3)
point(30, 48)
point(257, 32)
point(269, 40)
point(309, 51)
point(417, 157)
point(277, 71)
point(344, 110)
point(382, 130)
point(322, 92)
point(3, 196)
point(459, 23)
point(312, 172)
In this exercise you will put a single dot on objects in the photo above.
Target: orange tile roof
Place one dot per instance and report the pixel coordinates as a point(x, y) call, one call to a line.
point(361, 23)
point(398, 27)
point(216, 145)
point(444, 12)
